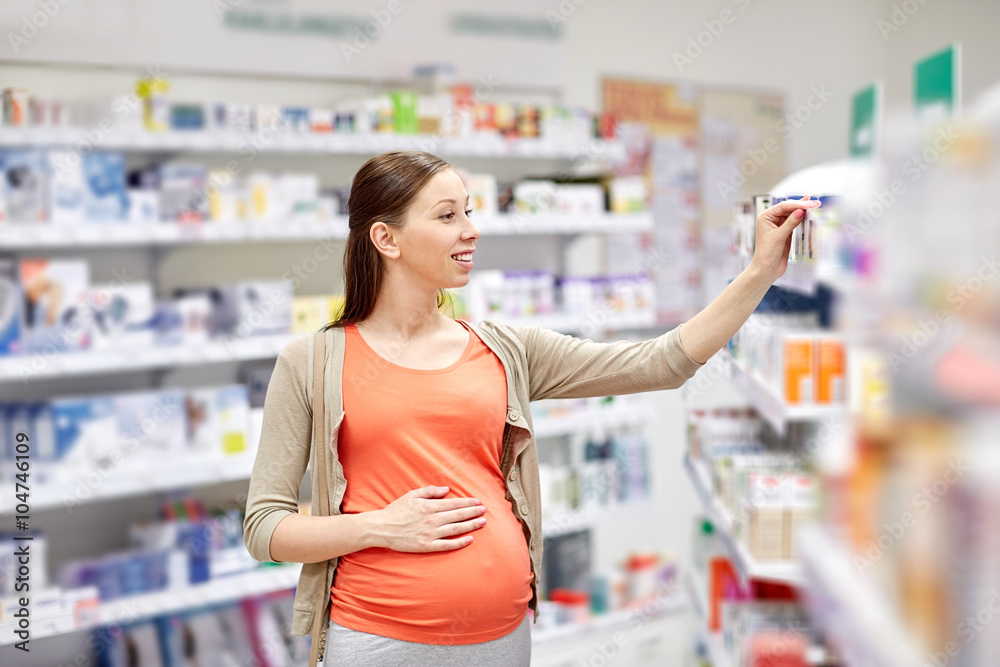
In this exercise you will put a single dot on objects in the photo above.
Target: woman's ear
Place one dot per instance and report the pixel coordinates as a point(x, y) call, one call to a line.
point(381, 235)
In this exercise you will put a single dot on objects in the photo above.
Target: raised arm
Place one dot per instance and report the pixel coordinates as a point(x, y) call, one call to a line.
point(708, 331)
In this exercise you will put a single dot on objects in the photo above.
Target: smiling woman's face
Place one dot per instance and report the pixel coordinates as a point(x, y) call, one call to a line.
point(437, 229)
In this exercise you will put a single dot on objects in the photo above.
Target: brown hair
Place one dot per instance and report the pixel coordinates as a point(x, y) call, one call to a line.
point(382, 191)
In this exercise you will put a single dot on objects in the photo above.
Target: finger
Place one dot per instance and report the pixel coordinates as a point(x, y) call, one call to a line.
point(452, 529)
point(446, 504)
point(450, 545)
point(783, 209)
point(461, 514)
point(428, 492)
point(791, 222)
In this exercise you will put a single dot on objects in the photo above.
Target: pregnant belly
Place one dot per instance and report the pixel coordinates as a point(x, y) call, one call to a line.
point(475, 593)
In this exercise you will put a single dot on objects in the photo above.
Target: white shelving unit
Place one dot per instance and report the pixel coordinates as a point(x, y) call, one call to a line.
point(581, 519)
point(29, 367)
point(850, 611)
point(769, 405)
point(41, 236)
point(745, 564)
point(619, 620)
point(138, 607)
point(201, 471)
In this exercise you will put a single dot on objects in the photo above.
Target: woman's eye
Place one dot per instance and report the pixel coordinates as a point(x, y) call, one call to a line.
point(448, 216)
point(468, 212)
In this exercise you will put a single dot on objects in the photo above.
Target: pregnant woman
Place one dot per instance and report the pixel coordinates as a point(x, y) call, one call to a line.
point(433, 547)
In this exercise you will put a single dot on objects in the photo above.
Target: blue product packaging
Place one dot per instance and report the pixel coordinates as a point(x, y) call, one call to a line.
point(86, 430)
point(10, 308)
point(54, 296)
point(106, 197)
point(26, 185)
point(67, 188)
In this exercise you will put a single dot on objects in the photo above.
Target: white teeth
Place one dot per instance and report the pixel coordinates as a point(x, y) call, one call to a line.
point(464, 258)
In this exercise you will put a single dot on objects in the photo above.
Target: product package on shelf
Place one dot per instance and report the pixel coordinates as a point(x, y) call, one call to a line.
point(55, 304)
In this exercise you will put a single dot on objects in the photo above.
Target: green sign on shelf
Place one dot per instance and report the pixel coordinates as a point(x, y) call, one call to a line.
point(937, 83)
point(866, 108)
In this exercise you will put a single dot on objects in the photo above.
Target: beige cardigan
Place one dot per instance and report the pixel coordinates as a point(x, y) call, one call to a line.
point(539, 364)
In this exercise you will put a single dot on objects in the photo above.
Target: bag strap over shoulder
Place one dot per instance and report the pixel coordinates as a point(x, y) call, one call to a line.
point(318, 647)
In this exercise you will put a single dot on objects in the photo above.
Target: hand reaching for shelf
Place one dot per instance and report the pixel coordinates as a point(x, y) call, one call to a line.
point(774, 235)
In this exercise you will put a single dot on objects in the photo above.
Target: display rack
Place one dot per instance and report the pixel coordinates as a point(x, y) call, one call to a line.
point(191, 471)
point(619, 620)
point(769, 405)
point(852, 614)
point(215, 591)
point(41, 236)
point(747, 567)
point(287, 140)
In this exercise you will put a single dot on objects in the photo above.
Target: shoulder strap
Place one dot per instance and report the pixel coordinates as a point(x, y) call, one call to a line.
point(319, 419)
point(318, 647)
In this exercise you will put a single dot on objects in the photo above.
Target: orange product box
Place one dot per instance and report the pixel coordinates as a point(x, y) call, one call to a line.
point(831, 368)
point(798, 368)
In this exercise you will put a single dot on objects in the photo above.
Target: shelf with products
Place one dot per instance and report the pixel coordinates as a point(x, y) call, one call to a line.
point(189, 468)
point(90, 613)
point(853, 616)
point(623, 619)
point(568, 522)
point(745, 564)
point(36, 236)
point(486, 145)
point(15, 370)
point(769, 405)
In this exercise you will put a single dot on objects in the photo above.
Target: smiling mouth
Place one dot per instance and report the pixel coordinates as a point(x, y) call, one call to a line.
point(464, 257)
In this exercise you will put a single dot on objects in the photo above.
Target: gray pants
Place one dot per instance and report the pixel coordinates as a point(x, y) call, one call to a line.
point(345, 646)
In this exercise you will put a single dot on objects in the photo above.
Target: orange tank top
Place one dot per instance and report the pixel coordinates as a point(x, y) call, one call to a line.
point(403, 429)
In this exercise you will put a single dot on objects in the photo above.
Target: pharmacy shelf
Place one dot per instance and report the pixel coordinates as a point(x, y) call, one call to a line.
point(769, 405)
point(697, 594)
point(568, 522)
point(26, 368)
point(225, 589)
point(613, 417)
point(289, 141)
point(585, 322)
point(90, 486)
point(848, 609)
point(39, 236)
point(739, 555)
point(624, 619)
point(182, 472)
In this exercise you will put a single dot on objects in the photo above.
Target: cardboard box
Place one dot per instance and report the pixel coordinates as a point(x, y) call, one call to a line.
point(55, 304)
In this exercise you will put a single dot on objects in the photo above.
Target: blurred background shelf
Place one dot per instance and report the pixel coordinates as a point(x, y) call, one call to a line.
point(289, 141)
point(573, 521)
point(624, 619)
point(29, 367)
point(745, 564)
point(849, 610)
point(39, 236)
point(777, 412)
point(216, 591)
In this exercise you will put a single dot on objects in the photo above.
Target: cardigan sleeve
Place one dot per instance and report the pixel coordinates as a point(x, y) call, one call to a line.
point(283, 452)
point(562, 366)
